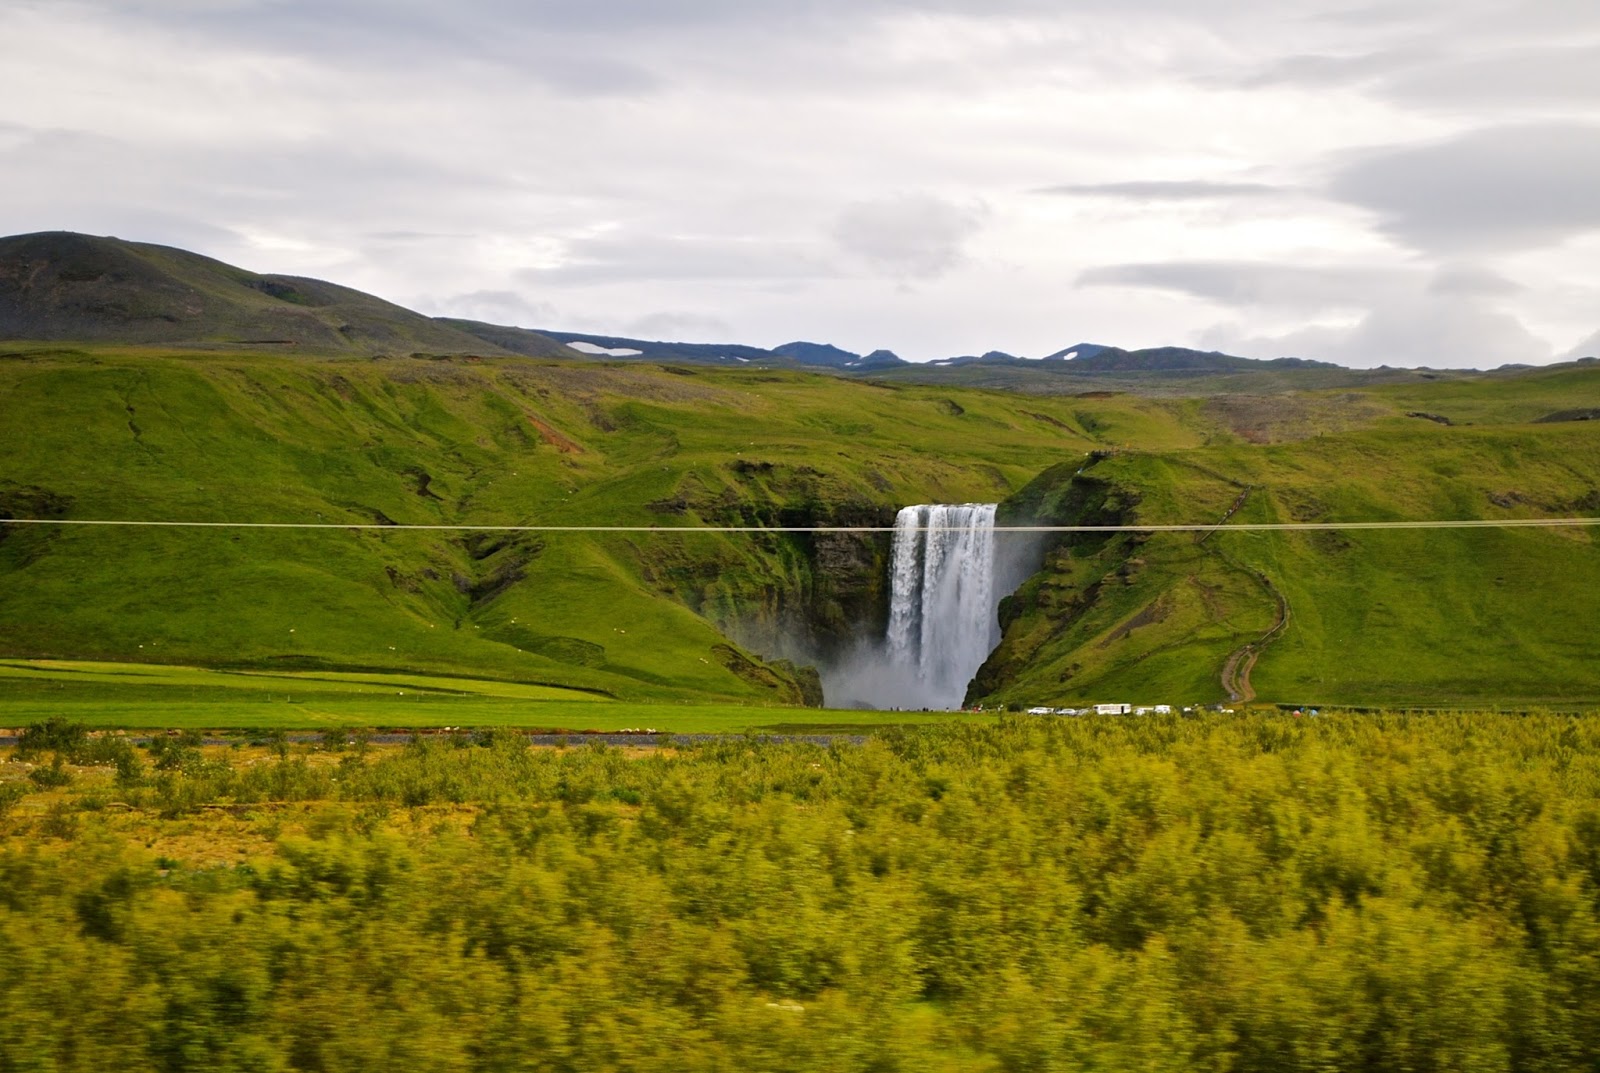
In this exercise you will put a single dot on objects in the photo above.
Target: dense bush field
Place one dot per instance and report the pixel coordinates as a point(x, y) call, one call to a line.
point(1239, 893)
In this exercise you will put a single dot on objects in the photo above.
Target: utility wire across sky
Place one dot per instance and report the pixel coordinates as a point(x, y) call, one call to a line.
point(1474, 523)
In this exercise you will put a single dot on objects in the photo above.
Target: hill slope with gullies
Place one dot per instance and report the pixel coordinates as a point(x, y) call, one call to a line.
point(1453, 617)
point(114, 433)
point(1416, 617)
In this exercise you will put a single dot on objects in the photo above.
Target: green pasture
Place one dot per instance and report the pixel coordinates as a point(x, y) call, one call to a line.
point(151, 696)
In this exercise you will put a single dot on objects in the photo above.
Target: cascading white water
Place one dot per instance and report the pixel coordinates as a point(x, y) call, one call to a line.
point(942, 601)
point(947, 575)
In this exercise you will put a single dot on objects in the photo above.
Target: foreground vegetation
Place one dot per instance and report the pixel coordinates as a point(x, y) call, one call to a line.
point(1249, 893)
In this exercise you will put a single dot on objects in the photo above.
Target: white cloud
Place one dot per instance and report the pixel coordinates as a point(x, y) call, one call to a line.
point(1406, 330)
point(1589, 348)
point(640, 255)
point(638, 160)
point(1165, 190)
point(1472, 280)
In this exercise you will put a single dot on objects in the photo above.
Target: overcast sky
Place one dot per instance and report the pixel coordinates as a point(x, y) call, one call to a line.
point(1371, 182)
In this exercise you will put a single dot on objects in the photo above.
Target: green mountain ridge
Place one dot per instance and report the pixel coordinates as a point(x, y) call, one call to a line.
point(64, 286)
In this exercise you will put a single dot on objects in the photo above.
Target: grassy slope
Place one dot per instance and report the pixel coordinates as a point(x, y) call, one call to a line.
point(1439, 617)
point(1436, 617)
point(128, 434)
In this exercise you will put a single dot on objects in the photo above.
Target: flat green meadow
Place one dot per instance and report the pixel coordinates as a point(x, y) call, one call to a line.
point(111, 695)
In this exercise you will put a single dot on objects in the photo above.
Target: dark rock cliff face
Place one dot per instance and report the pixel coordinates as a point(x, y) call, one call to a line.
point(794, 598)
point(819, 592)
point(848, 592)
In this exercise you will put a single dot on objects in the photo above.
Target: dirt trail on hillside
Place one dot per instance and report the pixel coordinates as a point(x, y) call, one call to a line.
point(1236, 669)
point(1244, 494)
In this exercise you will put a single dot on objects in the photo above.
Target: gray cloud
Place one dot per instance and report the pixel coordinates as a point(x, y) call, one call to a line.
point(1589, 348)
point(913, 236)
point(495, 307)
point(1503, 188)
point(1165, 190)
point(1447, 318)
point(413, 236)
point(1255, 283)
point(678, 326)
point(638, 47)
point(1512, 79)
point(1321, 71)
point(301, 20)
point(1473, 281)
point(1407, 330)
point(1483, 76)
point(643, 256)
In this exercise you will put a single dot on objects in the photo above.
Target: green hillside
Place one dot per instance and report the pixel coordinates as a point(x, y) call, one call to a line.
point(1446, 617)
point(130, 434)
point(58, 285)
point(1437, 617)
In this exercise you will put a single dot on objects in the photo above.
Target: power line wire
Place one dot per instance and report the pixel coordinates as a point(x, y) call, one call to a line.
point(1475, 523)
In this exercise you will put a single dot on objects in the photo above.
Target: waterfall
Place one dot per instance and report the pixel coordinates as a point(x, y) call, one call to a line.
point(942, 602)
point(946, 578)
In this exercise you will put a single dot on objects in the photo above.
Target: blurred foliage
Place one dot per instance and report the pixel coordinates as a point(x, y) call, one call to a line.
point(1261, 892)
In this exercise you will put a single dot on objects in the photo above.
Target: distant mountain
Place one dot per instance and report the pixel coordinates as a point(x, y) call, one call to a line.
point(1082, 350)
point(1180, 359)
point(1089, 358)
point(823, 354)
point(879, 359)
point(64, 286)
point(621, 348)
point(58, 285)
point(529, 344)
